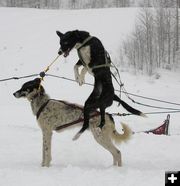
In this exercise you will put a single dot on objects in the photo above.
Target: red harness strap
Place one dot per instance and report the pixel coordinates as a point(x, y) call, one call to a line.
point(75, 122)
point(81, 119)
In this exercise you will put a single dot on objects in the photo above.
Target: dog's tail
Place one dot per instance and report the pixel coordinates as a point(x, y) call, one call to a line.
point(128, 107)
point(118, 138)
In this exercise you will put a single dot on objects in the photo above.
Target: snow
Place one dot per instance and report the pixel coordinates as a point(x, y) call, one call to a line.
point(28, 44)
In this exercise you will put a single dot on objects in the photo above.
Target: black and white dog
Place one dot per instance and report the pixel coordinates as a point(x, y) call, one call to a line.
point(95, 60)
point(59, 115)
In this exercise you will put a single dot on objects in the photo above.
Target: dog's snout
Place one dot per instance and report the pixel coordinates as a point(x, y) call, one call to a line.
point(14, 94)
point(60, 52)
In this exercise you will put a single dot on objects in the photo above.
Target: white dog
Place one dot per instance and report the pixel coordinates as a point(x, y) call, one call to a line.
point(55, 115)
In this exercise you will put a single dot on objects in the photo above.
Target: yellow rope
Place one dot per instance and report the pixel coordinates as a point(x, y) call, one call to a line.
point(48, 67)
point(42, 74)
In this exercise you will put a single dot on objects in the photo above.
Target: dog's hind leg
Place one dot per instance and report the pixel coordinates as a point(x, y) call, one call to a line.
point(46, 159)
point(102, 111)
point(85, 124)
point(106, 100)
point(90, 105)
point(104, 139)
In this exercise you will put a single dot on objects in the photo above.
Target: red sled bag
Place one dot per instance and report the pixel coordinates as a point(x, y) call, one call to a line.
point(161, 130)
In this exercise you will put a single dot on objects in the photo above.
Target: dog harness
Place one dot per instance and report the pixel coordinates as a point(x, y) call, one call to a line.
point(66, 103)
point(41, 109)
point(107, 57)
point(108, 63)
point(79, 120)
point(84, 42)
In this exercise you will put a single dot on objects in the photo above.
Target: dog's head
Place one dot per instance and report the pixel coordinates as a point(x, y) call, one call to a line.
point(30, 89)
point(69, 40)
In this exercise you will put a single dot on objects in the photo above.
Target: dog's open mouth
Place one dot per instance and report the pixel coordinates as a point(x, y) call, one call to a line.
point(66, 53)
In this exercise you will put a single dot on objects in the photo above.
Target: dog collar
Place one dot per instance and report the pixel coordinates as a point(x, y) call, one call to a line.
point(41, 109)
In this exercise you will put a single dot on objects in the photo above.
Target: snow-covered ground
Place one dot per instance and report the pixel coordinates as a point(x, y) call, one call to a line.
point(28, 43)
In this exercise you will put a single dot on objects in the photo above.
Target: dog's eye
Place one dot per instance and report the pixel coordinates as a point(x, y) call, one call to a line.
point(26, 89)
point(65, 43)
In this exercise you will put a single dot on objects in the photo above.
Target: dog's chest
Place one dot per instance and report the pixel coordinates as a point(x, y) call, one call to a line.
point(84, 54)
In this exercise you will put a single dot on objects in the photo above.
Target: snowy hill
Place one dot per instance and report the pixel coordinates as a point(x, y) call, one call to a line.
point(28, 44)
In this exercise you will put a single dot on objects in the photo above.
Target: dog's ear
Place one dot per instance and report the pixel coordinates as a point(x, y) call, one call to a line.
point(81, 35)
point(76, 32)
point(59, 34)
point(37, 81)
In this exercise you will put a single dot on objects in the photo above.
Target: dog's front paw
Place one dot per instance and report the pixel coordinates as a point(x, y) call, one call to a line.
point(44, 164)
point(77, 76)
point(80, 80)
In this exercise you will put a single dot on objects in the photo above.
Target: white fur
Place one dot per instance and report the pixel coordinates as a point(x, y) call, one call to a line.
point(85, 54)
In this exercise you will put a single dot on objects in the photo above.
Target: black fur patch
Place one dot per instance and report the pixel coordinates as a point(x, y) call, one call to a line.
point(30, 85)
point(110, 116)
